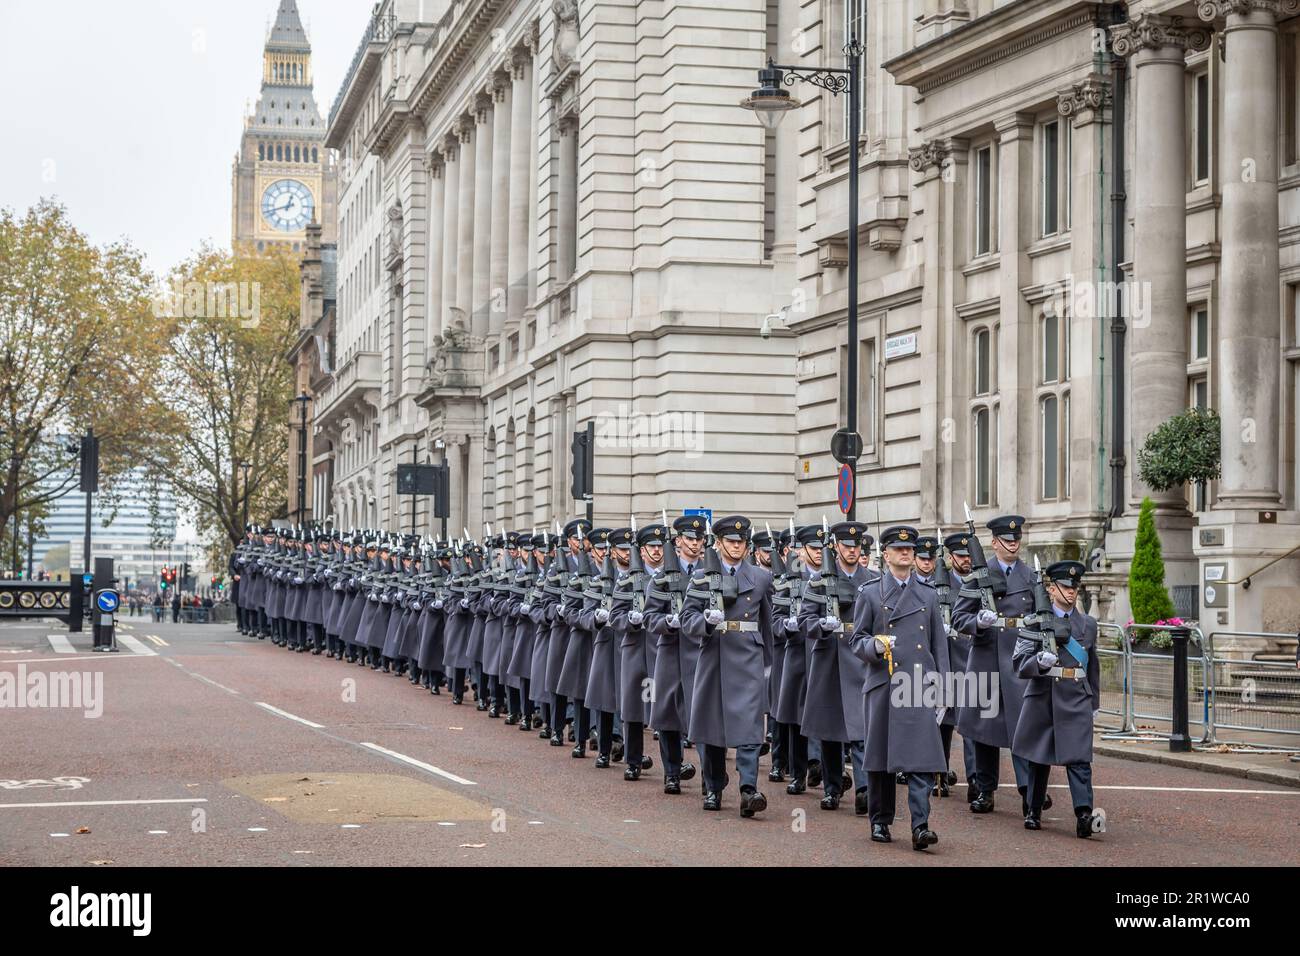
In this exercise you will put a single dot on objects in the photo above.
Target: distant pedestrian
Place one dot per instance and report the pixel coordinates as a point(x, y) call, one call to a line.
point(158, 608)
point(176, 608)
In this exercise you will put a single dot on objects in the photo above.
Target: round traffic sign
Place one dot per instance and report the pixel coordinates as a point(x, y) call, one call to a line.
point(107, 601)
point(846, 488)
point(846, 446)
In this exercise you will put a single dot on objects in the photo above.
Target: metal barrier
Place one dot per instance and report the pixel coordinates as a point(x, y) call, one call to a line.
point(1248, 697)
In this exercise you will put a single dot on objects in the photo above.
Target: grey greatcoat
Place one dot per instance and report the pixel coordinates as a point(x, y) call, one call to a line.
point(1056, 717)
point(459, 622)
point(494, 623)
point(792, 693)
point(479, 606)
point(542, 616)
point(558, 644)
point(355, 608)
point(636, 650)
point(832, 709)
point(991, 652)
point(576, 667)
point(674, 658)
point(901, 718)
point(432, 633)
point(729, 699)
point(519, 666)
point(602, 677)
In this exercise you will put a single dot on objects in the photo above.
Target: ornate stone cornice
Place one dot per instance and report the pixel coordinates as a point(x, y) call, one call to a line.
point(465, 128)
point(499, 85)
point(482, 107)
point(936, 152)
point(519, 60)
point(450, 146)
point(1210, 10)
point(433, 162)
point(1152, 31)
point(1091, 93)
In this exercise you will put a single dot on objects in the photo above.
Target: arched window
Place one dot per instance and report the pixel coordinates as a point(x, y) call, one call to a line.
point(490, 476)
point(527, 502)
point(506, 476)
point(313, 155)
point(297, 156)
point(261, 151)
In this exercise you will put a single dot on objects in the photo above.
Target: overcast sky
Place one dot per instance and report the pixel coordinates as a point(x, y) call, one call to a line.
point(129, 112)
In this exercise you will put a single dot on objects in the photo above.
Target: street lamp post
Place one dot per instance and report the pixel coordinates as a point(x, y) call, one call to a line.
point(302, 401)
point(245, 467)
point(771, 102)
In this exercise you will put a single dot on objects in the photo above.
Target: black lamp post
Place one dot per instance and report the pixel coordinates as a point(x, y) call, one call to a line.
point(302, 402)
point(245, 467)
point(771, 101)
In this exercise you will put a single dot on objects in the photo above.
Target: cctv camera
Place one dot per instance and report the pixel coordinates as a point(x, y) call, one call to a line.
point(765, 330)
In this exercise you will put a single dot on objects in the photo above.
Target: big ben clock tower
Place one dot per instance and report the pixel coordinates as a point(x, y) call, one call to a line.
point(284, 178)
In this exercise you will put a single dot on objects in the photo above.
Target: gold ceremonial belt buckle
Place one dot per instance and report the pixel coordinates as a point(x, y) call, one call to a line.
point(1011, 621)
point(738, 626)
point(1069, 673)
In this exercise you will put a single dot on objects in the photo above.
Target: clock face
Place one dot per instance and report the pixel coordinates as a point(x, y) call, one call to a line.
point(287, 205)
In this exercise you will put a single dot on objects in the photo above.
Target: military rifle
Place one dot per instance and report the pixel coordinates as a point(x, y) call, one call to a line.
point(943, 582)
point(981, 581)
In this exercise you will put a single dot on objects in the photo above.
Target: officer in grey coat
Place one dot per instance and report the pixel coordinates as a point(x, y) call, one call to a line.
point(576, 533)
point(993, 637)
point(1061, 700)
point(793, 689)
point(601, 693)
point(728, 616)
point(898, 631)
point(832, 711)
point(635, 647)
point(675, 658)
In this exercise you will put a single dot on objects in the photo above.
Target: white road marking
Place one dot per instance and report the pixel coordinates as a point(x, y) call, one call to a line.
point(444, 823)
point(134, 646)
point(60, 644)
point(350, 826)
point(97, 803)
point(60, 834)
point(257, 830)
point(535, 823)
point(157, 832)
point(1064, 786)
point(207, 680)
point(69, 660)
point(421, 764)
point(288, 716)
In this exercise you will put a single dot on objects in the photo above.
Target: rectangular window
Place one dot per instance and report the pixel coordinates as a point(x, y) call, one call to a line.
point(855, 26)
point(1067, 145)
point(868, 391)
point(1050, 346)
point(983, 200)
point(1048, 181)
point(983, 361)
point(1065, 445)
point(1050, 445)
point(983, 445)
point(1202, 87)
point(1200, 333)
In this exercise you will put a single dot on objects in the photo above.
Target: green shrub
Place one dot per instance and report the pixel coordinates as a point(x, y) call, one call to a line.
point(1147, 594)
point(1185, 448)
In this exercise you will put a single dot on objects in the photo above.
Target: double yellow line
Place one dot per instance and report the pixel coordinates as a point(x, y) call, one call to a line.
point(157, 640)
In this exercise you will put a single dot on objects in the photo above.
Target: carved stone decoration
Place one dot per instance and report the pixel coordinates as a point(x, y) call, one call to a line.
point(1091, 93)
point(1152, 31)
point(567, 31)
point(936, 152)
point(456, 356)
point(395, 230)
point(1211, 10)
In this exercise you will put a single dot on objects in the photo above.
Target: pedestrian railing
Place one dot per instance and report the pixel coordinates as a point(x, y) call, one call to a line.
point(1229, 700)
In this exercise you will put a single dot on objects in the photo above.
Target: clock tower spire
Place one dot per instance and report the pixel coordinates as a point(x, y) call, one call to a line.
point(283, 177)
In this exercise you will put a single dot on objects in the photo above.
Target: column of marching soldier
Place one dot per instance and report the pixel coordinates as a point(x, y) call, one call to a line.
point(722, 637)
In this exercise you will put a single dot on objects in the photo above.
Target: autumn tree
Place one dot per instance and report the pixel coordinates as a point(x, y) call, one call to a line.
point(78, 349)
point(225, 387)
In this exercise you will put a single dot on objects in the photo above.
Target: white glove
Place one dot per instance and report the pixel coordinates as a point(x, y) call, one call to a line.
point(1096, 714)
point(464, 604)
point(635, 618)
point(713, 617)
point(986, 618)
point(525, 608)
point(437, 605)
point(673, 622)
point(1047, 659)
point(792, 624)
point(602, 616)
point(830, 624)
point(882, 643)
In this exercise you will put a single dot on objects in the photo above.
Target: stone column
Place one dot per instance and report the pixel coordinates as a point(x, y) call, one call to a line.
point(1085, 106)
point(1017, 414)
point(522, 204)
point(482, 215)
point(450, 230)
point(567, 210)
point(500, 255)
point(787, 152)
point(534, 160)
point(433, 285)
point(465, 221)
point(1249, 398)
point(1157, 306)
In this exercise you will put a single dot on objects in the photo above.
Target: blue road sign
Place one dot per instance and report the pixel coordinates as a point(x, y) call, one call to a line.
point(108, 601)
point(705, 513)
point(846, 488)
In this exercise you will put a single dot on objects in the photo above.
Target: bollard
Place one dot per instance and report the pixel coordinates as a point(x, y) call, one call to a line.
point(1179, 741)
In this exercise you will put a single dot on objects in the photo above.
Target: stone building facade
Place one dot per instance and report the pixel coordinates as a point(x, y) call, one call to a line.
point(577, 223)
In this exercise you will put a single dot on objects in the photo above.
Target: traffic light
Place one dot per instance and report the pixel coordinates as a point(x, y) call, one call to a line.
point(185, 576)
point(583, 468)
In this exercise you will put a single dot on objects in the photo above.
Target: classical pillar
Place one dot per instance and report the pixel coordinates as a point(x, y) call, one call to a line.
point(1250, 391)
point(482, 215)
point(433, 285)
point(522, 204)
point(465, 221)
point(567, 212)
point(1157, 305)
point(500, 255)
point(787, 151)
point(450, 230)
point(1016, 461)
point(534, 159)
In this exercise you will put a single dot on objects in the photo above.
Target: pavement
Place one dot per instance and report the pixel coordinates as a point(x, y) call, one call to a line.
point(210, 748)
